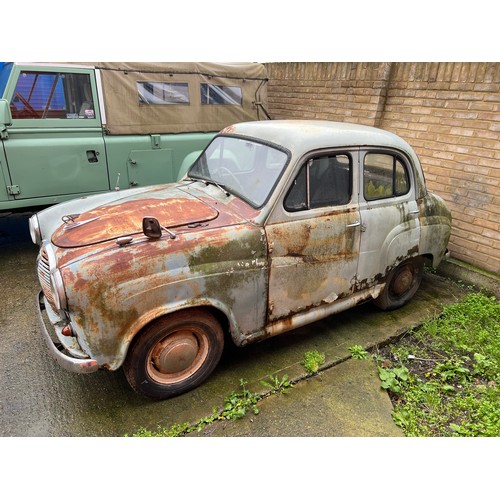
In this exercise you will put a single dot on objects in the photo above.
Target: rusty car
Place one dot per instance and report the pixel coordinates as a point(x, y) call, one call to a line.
point(275, 225)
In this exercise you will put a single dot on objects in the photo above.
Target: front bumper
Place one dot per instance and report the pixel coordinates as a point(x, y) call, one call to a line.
point(69, 363)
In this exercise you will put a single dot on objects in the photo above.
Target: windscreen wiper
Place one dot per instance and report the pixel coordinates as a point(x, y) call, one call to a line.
point(222, 187)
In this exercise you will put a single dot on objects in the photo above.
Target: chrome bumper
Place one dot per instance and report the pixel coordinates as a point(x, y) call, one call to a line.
point(69, 363)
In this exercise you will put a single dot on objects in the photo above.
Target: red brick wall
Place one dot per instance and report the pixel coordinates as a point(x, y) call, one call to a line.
point(449, 113)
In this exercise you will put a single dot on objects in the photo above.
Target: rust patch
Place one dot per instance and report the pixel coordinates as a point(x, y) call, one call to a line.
point(240, 207)
point(228, 130)
point(111, 221)
point(312, 260)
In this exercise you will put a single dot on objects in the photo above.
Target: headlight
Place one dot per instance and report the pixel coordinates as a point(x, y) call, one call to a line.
point(36, 237)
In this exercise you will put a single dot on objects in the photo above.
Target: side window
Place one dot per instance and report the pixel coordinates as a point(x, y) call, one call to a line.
point(220, 94)
point(5, 70)
point(322, 182)
point(163, 93)
point(384, 176)
point(52, 95)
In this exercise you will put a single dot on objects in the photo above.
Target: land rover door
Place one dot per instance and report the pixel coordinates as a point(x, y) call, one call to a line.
point(54, 145)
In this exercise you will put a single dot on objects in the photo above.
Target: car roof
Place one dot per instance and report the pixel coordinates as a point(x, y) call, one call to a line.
point(300, 136)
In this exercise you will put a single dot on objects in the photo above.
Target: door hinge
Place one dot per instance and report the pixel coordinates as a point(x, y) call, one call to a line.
point(13, 190)
point(156, 141)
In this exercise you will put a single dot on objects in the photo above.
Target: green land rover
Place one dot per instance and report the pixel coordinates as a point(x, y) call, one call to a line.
point(70, 130)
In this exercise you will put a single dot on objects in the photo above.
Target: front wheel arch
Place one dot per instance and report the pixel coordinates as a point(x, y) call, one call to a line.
point(174, 353)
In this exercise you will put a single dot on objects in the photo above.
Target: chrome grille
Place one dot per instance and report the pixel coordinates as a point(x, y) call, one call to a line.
point(44, 275)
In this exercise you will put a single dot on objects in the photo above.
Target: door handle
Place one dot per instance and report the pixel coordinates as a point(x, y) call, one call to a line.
point(92, 155)
point(356, 224)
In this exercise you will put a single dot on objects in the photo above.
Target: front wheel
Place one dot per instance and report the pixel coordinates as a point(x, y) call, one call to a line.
point(174, 354)
point(401, 285)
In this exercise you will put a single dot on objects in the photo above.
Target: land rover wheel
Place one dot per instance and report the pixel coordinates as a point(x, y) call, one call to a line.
point(401, 285)
point(174, 354)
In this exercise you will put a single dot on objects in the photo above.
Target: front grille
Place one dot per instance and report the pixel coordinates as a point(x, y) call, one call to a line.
point(44, 276)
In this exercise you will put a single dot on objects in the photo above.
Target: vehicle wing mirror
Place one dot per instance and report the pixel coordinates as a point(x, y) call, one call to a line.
point(5, 114)
point(151, 227)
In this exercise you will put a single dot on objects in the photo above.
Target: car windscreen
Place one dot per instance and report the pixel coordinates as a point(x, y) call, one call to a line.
point(243, 167)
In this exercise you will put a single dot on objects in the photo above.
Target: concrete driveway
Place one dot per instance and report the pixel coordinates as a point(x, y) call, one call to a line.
point(37, 398)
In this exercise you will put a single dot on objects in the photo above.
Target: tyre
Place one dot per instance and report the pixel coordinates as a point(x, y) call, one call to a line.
point(174, 354)
point(401, 285)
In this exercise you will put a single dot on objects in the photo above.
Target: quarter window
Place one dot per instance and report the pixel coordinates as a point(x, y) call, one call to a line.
point(322, 182)
point(52, 95)
point(384, 176)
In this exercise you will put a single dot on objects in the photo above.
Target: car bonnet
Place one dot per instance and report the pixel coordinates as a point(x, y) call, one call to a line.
point(172, 207)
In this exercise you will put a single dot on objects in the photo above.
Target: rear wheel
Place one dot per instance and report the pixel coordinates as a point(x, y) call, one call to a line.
point(401, 285)
point(174, 354)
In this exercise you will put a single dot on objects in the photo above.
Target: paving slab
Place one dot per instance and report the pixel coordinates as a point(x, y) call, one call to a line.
point(343, 401)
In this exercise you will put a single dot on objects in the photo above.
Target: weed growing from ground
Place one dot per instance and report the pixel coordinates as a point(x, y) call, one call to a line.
point(357, 352)
point(277, 385)
point(393, 379)
point(444, 378)
point(236, 405)
point(312, 361)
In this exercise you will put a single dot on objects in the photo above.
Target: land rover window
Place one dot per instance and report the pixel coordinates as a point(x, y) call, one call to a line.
point(40, 95)
point(220, 94)
point(322, 182)
point(384, 176)
point(4, 76)
point(163, 93)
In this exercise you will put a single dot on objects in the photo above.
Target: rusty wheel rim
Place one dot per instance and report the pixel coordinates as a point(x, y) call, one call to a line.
point(177, 356)
point(403, 281)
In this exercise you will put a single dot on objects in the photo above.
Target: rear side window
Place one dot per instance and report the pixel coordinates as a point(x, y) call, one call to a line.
point(220, 94)
point(52, 95)
point(322, 182)
point(384, 176)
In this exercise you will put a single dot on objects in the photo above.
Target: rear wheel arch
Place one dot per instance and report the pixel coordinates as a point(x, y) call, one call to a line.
point(401, 284)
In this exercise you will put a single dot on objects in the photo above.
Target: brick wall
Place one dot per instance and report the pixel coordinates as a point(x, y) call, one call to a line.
point(449, 113)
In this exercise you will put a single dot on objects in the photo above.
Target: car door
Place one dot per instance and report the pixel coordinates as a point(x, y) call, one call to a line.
point(314, 237)
point(389, 214)
point(55, 144)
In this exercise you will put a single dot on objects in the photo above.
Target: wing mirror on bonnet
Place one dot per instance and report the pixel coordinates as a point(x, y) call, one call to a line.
point(152, 228)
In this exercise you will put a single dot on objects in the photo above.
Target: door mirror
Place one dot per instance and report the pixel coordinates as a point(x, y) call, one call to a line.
point(5, 114)
point(151, 227)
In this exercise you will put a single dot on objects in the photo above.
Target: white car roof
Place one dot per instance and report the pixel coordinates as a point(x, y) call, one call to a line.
point(300, 136)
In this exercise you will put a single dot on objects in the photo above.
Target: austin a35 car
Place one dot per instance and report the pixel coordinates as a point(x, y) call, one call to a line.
point(276, 225)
